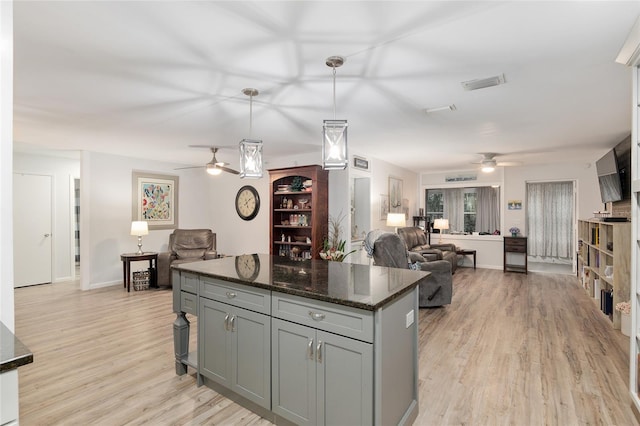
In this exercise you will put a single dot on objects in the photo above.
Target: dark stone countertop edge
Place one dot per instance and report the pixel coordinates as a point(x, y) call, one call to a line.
point(20, 354)
point(312, 295)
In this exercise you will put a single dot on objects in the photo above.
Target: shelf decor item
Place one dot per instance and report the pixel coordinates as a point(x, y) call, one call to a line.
point(625, 317)
point(333, 245)
point(514, 231)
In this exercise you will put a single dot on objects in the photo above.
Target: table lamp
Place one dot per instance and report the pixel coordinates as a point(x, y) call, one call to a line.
point(139, 228)
point(441, 224)
point(396, 220)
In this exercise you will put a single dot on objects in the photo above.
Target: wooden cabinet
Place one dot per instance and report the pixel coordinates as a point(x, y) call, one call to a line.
point(235, 348)
point(515, 254)
point(604, 263)
point(299, 211)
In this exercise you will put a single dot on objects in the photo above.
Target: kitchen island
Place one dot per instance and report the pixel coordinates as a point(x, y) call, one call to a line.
point(302, 342)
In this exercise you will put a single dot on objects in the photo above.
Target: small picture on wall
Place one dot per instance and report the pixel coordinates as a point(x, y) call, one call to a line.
point(514, 204)
point(384, 206)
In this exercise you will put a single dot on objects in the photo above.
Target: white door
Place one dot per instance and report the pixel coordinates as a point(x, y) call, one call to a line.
point(31, 229)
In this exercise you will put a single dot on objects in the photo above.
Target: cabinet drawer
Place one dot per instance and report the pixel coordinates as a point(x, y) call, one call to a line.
point(252, 298)
point(516, 249)
point(515, 242)
point(189, 282)
point(189, 303)
point(338, 319)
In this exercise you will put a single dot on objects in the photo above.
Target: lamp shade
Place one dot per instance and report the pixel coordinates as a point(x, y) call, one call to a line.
point(396, 219)
point(250, 158)
point(334, 145)
point(139, 228)
point(441, 224)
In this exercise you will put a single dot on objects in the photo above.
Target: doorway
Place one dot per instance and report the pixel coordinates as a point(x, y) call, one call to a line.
point(32, 236)
point(550, 226)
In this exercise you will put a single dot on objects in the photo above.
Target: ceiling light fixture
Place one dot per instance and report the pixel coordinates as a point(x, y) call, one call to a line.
point(334, 132)
point(482, 83)
point(488, 165)
point(451, 107)
point(250, 149)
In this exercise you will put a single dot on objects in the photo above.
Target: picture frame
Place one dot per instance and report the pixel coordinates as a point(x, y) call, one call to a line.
point(360, 163)
point(395, 194)
point(384, 206)
point(155, 199)
point(514, 205)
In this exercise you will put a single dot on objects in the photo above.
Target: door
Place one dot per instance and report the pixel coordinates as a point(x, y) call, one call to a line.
point(294, 372)
point(214, 359)
point(32, 224)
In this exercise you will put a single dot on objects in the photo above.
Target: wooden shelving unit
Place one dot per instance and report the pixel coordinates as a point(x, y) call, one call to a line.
point(604, 262)
point(299, 217)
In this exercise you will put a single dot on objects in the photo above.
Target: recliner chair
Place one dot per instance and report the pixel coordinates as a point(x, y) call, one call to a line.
point(416, 242)
point(185, 245)
point(389, 250)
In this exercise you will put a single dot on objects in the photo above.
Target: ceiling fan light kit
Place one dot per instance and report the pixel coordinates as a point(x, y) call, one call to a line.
point(250, 149)
point(482, 83)
point(334, 132)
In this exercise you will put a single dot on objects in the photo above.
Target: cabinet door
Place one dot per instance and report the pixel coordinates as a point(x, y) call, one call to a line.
point(345, 380)
point(251, 355)
point(214, 341)
point(294, 372)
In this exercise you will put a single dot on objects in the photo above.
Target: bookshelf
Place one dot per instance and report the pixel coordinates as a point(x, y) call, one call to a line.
point(604, 263)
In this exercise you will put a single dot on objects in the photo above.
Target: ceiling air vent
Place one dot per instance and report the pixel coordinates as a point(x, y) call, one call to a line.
point(483, 82)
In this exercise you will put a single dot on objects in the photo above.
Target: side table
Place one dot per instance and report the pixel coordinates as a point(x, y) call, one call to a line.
point(465, 252)
point(127, 258)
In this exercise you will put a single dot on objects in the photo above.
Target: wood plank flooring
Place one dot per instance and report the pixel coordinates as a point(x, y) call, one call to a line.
point(511, 349)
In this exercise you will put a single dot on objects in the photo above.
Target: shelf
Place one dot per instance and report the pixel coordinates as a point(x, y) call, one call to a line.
point(292, 226)
point(293, 210)
point(293, 192)
point(292, 243)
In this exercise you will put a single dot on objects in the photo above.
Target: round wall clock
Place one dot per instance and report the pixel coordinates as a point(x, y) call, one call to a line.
point(247, 202)
point(248, 266)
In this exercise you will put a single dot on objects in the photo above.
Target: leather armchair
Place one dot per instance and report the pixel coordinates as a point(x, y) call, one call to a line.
point(185, 245)
point(389, 250)
point(415, 241)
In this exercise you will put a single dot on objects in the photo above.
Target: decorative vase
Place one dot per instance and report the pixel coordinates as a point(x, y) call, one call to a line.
point(625, 324)
point(514, 234)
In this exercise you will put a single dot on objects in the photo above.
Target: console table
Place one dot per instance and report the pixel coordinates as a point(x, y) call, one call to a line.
point(515, 246)
point(465, 252)
point(127, 258)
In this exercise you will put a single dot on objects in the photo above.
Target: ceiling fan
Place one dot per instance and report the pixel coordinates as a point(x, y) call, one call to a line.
point(488, 162)
point(214, 167)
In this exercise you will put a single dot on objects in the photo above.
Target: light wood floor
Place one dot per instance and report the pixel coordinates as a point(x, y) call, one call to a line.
point(511, 349)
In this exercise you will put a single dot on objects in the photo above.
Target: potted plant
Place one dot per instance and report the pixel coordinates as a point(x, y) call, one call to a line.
point(625, 317)
point(333, 245)
point(514, 231)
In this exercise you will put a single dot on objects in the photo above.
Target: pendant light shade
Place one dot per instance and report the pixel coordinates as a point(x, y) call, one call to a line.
point(334, 132)
point(250, 149)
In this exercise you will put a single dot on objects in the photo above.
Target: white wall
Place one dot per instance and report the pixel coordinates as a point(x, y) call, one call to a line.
point(105, 218)
point(63, 171)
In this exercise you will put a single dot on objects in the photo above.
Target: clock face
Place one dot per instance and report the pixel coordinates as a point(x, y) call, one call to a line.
point(248, 266)
point(247, 202)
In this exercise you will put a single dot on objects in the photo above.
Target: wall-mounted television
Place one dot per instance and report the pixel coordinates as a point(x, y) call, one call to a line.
point(609, 178)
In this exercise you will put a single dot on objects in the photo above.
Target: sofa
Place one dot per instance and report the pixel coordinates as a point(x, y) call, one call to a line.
point(185, 245)
point(415, 241)
point(389, 250)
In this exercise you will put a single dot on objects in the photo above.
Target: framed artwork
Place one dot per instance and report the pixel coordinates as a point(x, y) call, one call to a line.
point(360, 163)
point(384, 206)
point(395, 195)
point(155, 199)
point(514, 204)
point(405, 208)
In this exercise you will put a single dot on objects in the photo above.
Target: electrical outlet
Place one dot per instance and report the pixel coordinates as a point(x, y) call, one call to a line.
point(409, 318)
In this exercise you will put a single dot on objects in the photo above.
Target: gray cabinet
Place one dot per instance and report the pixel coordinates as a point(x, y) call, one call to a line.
point(322, 362)
point(235, 349)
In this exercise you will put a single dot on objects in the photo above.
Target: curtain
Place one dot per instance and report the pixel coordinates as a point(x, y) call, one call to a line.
point(487, 213)
point(550, 219)
point(454, 208)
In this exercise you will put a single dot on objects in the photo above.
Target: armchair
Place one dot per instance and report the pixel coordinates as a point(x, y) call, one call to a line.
point(185, 245)
point(389, 250)
point(416, 242)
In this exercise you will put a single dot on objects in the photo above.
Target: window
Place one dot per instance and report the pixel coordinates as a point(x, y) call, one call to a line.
point(472, 209)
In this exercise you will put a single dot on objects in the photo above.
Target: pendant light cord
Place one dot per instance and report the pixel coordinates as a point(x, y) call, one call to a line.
point(250, 116)
point(334, 92)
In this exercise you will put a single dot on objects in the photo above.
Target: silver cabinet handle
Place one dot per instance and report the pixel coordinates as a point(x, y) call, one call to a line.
point(231, 295)
point(226, 322)
point(316, 316)
point(310, 349)
point(319, 351)
point(233, 323)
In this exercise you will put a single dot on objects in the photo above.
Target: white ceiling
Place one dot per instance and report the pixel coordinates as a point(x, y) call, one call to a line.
point(147, 79)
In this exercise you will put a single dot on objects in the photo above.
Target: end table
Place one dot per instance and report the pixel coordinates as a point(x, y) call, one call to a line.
point(127, 258)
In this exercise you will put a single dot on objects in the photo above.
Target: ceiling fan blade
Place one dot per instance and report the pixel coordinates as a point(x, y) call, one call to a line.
point(228, 170)
point(188, 167)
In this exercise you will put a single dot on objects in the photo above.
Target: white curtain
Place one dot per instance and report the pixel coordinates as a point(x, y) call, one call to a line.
point(454, 208)
point(487, 213)
point(550, 219)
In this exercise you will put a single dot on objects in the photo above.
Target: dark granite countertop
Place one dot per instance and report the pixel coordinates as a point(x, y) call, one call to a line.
point(13, 353)
point(359, 286)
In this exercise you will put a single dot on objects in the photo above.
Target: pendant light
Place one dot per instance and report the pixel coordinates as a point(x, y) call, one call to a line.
point(250, 149)
point(334, 132)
